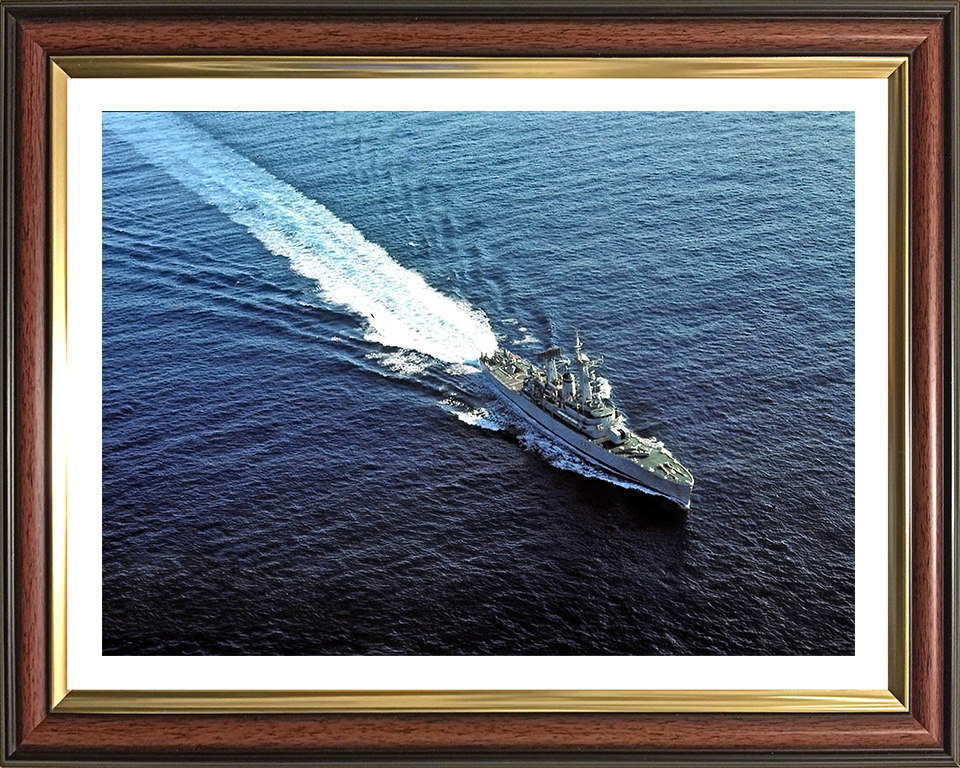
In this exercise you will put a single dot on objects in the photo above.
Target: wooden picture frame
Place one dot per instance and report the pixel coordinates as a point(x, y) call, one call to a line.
point(40, 729)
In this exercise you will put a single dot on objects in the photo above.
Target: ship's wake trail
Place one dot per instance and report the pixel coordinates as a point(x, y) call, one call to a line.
point(400, 308)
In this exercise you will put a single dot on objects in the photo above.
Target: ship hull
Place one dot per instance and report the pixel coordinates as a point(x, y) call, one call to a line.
point(590, 452)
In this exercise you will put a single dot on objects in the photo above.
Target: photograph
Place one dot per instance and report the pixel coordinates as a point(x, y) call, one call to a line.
point(502, 383)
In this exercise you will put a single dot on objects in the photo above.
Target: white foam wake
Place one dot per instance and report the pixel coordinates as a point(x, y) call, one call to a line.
point(475, 417)
point(400, 308)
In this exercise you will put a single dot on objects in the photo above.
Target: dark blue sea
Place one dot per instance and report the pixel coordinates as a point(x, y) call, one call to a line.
point(301, 457)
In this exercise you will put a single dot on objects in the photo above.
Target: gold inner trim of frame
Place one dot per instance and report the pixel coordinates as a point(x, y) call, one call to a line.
point(780, 701)
point(430, 67)
point(59, 405)
point(132, 702)
point(898, 425)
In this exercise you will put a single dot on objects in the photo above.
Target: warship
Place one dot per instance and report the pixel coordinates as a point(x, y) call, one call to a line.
point(568, 400)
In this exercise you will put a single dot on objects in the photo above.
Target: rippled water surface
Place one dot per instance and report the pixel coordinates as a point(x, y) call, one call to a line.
point(301, 458)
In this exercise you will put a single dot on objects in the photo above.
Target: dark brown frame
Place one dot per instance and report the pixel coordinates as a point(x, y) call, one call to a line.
point(925, 32)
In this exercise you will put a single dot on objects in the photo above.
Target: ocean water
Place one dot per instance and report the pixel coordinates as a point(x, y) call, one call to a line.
point(301, 457)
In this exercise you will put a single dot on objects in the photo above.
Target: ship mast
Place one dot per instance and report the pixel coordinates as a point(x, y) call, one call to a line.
point(586, 392)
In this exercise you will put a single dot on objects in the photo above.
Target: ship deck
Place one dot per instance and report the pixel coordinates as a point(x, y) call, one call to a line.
point(509, 379)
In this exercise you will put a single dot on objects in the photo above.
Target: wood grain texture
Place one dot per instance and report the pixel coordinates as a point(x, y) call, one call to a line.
point(471, 37)
point(41, 736)
point(223, 734)
point(30, 388)
point(928, 242)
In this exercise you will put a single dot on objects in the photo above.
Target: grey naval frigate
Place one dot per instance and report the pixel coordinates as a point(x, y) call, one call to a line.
point(568, 400)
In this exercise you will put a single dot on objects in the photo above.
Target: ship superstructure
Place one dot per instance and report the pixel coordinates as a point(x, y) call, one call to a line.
point(567, 399)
